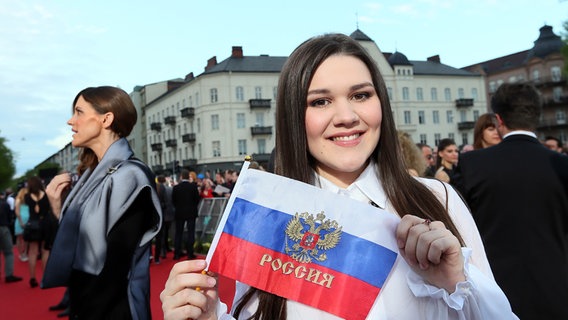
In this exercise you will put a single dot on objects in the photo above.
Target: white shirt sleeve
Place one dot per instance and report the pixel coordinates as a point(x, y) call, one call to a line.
point(478, 297)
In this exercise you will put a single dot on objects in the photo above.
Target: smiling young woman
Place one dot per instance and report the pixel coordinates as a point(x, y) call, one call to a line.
point(335, 130)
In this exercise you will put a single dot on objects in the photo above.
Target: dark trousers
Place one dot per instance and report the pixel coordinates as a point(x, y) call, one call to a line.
point(162, 241)
point(179, 237)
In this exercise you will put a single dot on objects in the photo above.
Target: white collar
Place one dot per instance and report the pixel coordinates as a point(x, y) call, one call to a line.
point(366, 188)
point(527, 133)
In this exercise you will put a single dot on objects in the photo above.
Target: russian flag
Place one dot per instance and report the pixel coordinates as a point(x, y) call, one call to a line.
point(304, 243)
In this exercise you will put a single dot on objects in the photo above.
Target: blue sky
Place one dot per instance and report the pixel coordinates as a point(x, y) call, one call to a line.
point(53, 49)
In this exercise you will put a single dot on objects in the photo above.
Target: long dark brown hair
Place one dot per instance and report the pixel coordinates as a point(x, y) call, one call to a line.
point(293, 160)
point(107, 99)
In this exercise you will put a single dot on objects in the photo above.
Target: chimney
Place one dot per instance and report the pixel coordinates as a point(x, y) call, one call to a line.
point(211, 63)
point(189, 77)
point(435, 58)
point(237, 52)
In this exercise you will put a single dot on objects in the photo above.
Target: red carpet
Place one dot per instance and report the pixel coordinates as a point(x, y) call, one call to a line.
point(19, 301)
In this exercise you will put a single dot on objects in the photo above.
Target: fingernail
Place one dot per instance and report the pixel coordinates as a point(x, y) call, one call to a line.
point(211, 282)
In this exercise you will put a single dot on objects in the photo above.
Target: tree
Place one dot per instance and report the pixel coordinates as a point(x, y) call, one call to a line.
point(564, 49)
point(7, 167)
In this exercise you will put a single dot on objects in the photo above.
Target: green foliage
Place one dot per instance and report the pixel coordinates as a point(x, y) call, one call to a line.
point(7, 167)
point(564, 49)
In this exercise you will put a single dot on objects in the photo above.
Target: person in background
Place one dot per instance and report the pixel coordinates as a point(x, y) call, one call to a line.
point(447, 159)
point(161, 241)
point(109, 218)
point(466, 148)
point(185, 198)
point(336, 131)
point(6, 246)
point(553, 144)
point(206, 190)
point(518, 194)
point(485, 132)
point(22, 215)
point(412, 155)
point(428, 155)
point(40, 238)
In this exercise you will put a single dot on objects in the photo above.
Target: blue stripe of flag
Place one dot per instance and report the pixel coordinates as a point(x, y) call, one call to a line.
point(357, 257)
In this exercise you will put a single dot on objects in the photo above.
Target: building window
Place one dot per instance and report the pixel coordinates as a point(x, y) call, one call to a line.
point(389, 92)
point(261, 146)
point(434, 94)
point(447, 94)
point(198, 125)
point(492, 86)
point(423, 138)
point(197, 99)
point(556, 74)
point(475, 115)
point(463, 116)
point(407, 119)
point(216, 146)
point(437, 139)
point(557, 94)
point(474, 93)
point(451, 135)
point(421, 117)
point(274, 93)
point(536, 75)
point(258, 92)
point(461, 93)
point(464, 138)
point(215, 122)
point(435, 116)
point(213, 93)
point(449, 116)
point(240, 95)
point(240, 120)
point(242, 147)
point(259, 119)
point(419, 95)
point(191, 101)
point(405, 94)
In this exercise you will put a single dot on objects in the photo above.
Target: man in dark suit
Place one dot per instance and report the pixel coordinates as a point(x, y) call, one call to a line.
point(185, 198)
point(518, 194)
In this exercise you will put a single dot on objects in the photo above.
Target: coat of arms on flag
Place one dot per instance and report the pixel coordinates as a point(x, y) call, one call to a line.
point(321, 235)
point(304, 243)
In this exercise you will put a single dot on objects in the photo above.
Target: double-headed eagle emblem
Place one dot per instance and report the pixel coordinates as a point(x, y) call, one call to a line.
point(309, 235)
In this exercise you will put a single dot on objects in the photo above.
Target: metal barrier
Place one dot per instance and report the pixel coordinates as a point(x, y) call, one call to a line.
point(209, 214)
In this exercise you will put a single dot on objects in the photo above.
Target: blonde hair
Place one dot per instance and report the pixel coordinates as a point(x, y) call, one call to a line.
point(21, 194)
point(411, 154)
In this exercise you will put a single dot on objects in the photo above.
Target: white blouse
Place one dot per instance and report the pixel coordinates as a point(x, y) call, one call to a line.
point(405, 295)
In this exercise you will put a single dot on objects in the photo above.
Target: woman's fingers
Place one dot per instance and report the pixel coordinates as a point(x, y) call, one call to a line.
point(189, 291)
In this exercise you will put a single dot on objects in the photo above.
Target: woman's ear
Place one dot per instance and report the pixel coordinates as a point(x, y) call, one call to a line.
point(108, 119)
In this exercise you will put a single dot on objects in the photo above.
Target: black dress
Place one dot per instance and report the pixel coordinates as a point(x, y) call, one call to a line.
point(86, 300)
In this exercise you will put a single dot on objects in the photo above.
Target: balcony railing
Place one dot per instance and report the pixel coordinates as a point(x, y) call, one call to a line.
point(156, 147)
point(187, 112)
point(552, 123)
point(260, 130)
point(259, 103)
point(189, 137)
point(156, 126)
point(189, 162)
point(158, 168)
point(466, 125)
point(170, 120)
point(462, 103)
point(171, 143)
